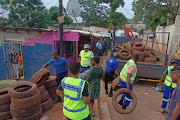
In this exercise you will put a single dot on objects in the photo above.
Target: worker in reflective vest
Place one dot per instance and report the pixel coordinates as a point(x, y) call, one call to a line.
point(86, 58)
point(127, 77)
point(76, 95)
point(169, 86)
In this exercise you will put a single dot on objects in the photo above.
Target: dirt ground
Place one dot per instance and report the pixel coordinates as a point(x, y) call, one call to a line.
point(148, 102)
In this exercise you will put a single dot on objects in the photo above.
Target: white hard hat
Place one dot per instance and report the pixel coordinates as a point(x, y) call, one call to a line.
point(115, 54)
point(86, 46)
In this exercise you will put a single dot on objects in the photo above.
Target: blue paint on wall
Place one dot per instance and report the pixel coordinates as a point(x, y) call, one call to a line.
point(34, 57)
point(2, 65)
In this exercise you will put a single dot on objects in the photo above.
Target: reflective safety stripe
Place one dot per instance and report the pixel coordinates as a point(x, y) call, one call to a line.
point(169, 80)
point(128, 99)
point(76, 110)
point(73, 88)
point(166, 100)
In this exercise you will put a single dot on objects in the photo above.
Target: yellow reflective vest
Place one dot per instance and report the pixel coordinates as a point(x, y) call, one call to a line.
point(85, 58)
point(168, 81)
point(124, 71)
point(74, 107)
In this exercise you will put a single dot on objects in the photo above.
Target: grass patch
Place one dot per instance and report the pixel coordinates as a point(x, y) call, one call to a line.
point(4, 85)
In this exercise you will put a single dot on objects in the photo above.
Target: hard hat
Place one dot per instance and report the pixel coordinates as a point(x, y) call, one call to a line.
point(115, 54)
point(86, 46)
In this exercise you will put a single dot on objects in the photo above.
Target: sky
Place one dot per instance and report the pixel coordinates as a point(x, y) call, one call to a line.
point(126, 10)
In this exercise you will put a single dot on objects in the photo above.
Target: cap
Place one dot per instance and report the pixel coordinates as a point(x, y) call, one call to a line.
point(86, 46)
point(115, 54)
point(176, 61)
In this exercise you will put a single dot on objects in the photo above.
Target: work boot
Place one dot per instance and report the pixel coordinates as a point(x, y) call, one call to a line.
point(124, 107)
point(111, 93)
point(121, 101)
point(106, 91)
point(58, 100)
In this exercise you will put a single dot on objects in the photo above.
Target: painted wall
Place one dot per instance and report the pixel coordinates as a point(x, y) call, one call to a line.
point(2, 65)
point(37, 51)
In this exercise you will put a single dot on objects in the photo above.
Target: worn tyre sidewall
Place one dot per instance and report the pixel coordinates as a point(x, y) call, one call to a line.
point(44, 96)
point(121, 56)
point(33, 117)
point(47, 104)
point(52, 90)
point(40, 77)
point(5, 115)
point(53, 96)
point(21, 113)
point(24, 94)
point(115, 84)
point(5, 107)
point(27, 102)
point(139, 48)
point(50, 82)
point(4, 97)
point(119, 109)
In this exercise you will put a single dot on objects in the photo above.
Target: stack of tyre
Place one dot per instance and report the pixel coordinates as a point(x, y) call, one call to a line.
point(146, 54)
point(5, 102)
point(46, 101)
point(25, 101)
point(40, 78)
point(51, 87)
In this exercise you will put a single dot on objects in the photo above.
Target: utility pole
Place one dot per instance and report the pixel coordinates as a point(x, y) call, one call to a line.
point(61, 28)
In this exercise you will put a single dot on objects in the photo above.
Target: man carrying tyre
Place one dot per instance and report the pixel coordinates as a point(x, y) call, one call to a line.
point(127, 77)
point(111, 70)
point(61, 66)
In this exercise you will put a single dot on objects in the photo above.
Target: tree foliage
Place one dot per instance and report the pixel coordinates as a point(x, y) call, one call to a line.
point(115, 17)
point(94, 14)
point(31, 13)
point(154, 13)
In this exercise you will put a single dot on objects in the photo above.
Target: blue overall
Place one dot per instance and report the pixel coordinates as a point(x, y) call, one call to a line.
point(127, 98)
point(167, 92)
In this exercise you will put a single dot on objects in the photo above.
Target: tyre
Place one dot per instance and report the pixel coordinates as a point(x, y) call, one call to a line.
point(117, 48)
point(128, 109)
point(26, 102)
point(153, 55)
point(5, 115)
point(115, 84)
point(148, 49)
point(123, 56)
point(23, 90)
point(141, 59)
point(5, 107)
point(130, 46)
point(50, 82)
point(40, 77)
point(4, 97)
point(117, 45)
point(53, 96)
point(44, 96)
point(21, 113)
point(47, 104)
point(125, 45)
point(150, 60)
point(52, 90)
point(139, 46)
point(42, 89)
point(33, 117)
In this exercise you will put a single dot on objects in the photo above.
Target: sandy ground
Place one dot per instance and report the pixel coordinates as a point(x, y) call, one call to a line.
point(148, 105)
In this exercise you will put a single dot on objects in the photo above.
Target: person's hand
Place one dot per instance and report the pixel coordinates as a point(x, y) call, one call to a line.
point(128, 91)
point(159, 85)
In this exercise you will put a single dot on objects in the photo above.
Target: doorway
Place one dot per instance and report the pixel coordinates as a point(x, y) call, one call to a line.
point(13, 50)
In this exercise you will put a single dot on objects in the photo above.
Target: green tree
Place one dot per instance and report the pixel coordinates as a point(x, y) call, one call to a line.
point(94, 14)
point(154, 13)
point(115, 17)
point(24, 12)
